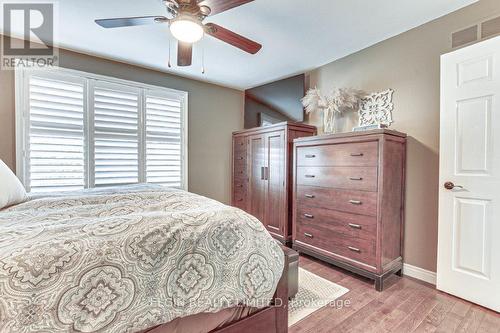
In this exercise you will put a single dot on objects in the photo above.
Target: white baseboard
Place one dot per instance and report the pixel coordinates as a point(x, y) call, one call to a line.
point(419, 273)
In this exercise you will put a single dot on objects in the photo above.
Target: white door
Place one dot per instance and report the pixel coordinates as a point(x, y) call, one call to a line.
point(469, 197)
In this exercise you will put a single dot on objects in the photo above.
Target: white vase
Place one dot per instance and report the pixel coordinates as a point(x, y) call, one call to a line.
point(328, 121)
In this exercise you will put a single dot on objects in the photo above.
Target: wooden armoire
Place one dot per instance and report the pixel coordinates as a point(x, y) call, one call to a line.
point(262, 174)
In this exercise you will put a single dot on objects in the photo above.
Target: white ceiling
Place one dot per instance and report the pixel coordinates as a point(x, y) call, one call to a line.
point(297, 35)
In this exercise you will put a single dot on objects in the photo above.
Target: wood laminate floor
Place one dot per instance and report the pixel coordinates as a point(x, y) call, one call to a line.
point(406, 305)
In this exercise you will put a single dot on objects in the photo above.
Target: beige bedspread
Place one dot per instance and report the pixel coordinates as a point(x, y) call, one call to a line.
point(127, 259)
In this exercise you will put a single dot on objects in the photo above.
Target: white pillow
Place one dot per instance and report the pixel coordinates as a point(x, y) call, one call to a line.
point(11, 190)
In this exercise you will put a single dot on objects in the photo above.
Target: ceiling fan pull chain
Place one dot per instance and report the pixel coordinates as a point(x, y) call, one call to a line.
point(169, 53)
point(202, 57)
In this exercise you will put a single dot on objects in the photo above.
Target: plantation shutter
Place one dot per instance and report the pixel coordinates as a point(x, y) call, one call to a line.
point(164, 139)
point(55, 152)
point(77, 130)
point(116, 134)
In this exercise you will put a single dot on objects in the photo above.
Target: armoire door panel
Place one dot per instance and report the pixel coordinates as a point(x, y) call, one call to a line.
point(275, 179)
point(257, 184)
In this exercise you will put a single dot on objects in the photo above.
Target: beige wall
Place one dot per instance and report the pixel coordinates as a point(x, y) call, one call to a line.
point(409, 64)
point(214, 112)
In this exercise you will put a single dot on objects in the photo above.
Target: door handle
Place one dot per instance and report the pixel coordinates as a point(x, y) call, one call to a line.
point(309, 216)
point(310, 196)
point(451, 186)
point(355, 202)
point(356, 178)
point(310, 156)
point(308, 235)
point(310, 176)
point(264, 173)
point(355, 226)
point(356, 154)
point(354, 249)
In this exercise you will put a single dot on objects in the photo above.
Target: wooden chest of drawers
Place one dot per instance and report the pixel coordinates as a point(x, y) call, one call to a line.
point(349, 200)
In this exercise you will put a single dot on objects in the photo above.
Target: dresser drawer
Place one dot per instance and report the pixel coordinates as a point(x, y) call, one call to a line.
point(240, 196)
point(239, 143)
point(357, 202)
point(240, 203)
point(240, 158)
point(325, 237)
point(240, 172)
point(239, 185)
point(337, 223)
point(352, 178)
point(342, 154)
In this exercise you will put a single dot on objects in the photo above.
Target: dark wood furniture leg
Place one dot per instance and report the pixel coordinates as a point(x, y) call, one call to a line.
point(379, 283)
point(293, 271)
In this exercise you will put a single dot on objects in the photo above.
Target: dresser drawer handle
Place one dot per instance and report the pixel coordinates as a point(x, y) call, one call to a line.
point(356, 178)
point(354, 249)
point(239, 185)
point(310, 196)
point(355, 202)
point(240, 158)
point(309, 216)
point(355, 226)
point(310, 176)
point(240, 200)
point(308, 235)
point(357, 154)
point(310, 156)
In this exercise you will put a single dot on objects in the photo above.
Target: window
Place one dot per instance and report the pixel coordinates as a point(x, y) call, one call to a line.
point(77, 130)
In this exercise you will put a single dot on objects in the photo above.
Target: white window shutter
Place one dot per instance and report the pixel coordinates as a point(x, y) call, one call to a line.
point(55, 135)
point(116, 134)
point(164, 139)
point(79, 130)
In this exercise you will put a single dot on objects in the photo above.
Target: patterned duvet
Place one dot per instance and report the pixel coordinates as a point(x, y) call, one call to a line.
point(129, 259)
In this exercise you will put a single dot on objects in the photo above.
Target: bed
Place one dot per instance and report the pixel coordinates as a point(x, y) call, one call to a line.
point(139, 258)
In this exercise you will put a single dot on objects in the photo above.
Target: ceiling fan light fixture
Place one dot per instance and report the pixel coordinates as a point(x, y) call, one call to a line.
point(186, 29)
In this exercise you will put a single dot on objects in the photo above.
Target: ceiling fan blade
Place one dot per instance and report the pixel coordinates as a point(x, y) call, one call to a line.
point(184, 54)
point(219, 6)
point(130, 21)
point(232, 38)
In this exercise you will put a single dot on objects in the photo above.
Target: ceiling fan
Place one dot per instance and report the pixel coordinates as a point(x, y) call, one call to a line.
point(186, 25)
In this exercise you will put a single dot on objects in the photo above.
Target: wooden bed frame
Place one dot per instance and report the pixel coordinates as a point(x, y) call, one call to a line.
point(273, 319)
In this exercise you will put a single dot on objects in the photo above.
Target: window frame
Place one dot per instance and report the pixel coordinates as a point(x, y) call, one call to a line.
point(22, 114)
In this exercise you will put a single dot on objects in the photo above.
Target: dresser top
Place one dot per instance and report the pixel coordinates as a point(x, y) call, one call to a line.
point(284, 124)
point(351, 134)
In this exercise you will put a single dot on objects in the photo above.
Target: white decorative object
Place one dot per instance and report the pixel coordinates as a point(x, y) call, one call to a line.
point(339, 101)
point(375, 111)
point(11, 190)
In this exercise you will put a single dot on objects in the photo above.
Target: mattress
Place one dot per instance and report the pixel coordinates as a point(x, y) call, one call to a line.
point(130, 258)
